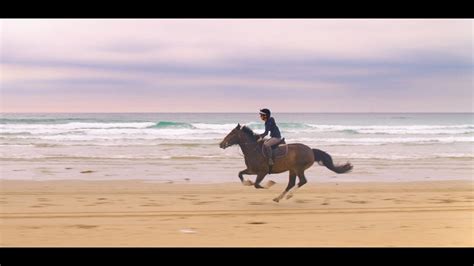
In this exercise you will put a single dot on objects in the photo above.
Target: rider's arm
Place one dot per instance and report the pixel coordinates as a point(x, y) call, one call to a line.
point(267, 129)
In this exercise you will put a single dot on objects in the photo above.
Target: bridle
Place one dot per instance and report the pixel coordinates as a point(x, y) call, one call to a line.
point(245, 143)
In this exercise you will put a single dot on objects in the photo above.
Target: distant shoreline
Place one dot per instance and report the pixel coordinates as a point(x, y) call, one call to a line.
point(23, 113)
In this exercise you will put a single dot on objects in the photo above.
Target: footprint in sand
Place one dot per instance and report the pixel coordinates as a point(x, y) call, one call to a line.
point(48, 204)
point(31, 227)
point(43, 205)
point(302, 201)
point(80, 199)
point(255, 203)
point(445, 200)
point(84, 226)
point(326, 201)
point(183, 198)
point(357, 201)
point(202, 202)
point(256, 222)
point(151, 205)
point(87, 172)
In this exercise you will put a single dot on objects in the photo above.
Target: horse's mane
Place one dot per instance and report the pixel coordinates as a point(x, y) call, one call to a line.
point(248, 131)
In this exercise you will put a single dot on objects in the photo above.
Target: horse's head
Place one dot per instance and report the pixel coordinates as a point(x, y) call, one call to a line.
point(238, 134)
point(232, 138)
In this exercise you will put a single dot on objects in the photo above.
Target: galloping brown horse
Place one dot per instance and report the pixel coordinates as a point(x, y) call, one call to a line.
point(298, 158)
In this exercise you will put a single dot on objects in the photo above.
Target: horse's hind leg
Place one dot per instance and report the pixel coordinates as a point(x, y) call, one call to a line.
point(291, 183)
point(303, 181)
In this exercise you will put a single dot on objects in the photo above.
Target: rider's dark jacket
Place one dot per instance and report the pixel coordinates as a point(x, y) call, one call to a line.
point(270, 126)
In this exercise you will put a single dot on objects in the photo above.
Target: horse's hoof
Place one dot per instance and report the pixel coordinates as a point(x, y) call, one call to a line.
point(247, 183)
point(269, 184)
point(276, 200)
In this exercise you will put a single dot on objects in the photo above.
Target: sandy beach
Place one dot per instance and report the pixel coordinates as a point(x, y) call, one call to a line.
point(143, 213)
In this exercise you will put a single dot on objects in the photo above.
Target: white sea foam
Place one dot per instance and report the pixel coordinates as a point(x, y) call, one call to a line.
point(203, 128)
point(402, 156)
point(398, 129)
point(126, 157)
point(378, 141)
point(336, 156)
point(147, 139)
point(175, 146)
point(78, 125)
point(151, 133)
point(227, 127)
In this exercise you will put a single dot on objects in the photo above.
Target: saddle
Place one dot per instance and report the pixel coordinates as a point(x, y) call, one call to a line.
point(282, 141)
point(278, 150)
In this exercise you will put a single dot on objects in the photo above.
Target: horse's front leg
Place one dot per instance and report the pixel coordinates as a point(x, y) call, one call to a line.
point(247, 182)
point(259, 180)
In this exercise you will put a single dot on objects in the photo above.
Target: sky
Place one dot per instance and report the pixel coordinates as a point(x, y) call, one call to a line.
point(236, 65)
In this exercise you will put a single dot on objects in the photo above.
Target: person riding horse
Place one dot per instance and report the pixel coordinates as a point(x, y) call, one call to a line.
point(275, 136)
point(297, 159)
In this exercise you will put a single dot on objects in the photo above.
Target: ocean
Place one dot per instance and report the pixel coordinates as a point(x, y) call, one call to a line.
point(183, 147)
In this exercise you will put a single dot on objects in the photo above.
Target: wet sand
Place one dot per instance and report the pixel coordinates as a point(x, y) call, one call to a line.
point(138, 213)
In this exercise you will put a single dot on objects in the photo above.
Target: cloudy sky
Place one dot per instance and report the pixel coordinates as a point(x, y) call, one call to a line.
point(173, 65)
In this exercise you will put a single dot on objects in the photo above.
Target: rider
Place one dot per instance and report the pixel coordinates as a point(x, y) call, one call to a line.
point(275, 136)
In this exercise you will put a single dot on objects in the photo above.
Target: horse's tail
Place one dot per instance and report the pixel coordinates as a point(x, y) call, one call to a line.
point(325, 159)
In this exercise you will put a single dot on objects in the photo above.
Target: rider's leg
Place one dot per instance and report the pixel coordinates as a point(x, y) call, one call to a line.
point(268, 147)
point(268, 151)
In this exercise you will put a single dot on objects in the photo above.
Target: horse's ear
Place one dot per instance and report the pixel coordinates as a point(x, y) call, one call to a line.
point(238, 126)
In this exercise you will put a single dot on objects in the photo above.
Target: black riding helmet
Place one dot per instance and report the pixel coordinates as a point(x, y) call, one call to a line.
point(265, 111)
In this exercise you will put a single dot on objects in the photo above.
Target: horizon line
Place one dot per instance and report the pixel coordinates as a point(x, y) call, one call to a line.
point(472, 112)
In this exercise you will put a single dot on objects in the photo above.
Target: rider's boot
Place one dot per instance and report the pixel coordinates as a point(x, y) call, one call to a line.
point(270, 165)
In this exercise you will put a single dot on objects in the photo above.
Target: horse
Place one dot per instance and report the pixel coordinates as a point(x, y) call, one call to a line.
point(298, 158)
